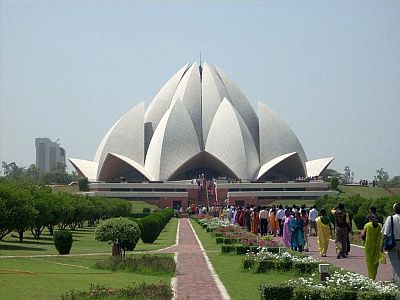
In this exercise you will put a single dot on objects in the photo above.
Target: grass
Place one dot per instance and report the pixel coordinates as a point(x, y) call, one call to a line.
point(72, 189)
point(84, 242)
point(137, 206)
point(240, 284)
point(48, 278)
point(363, 191)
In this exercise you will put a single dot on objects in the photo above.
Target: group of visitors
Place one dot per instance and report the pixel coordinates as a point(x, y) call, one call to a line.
point(295, 224)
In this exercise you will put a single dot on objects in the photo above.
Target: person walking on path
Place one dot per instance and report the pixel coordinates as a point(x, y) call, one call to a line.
point(313, 215)
point(342, 226)
point(263, 215)
point(324, 230)
point(373, 245)
point(296, 227)
point(394, 253)
point(286, 229)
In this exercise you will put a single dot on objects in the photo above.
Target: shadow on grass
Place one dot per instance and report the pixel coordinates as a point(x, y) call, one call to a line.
point(30, 242)
point(19, 247)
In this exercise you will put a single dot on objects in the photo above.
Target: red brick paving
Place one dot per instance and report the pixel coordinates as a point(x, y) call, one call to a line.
point(355, 262)
point(193, 278)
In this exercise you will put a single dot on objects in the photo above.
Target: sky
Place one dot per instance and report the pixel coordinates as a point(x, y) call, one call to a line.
point(331, 69)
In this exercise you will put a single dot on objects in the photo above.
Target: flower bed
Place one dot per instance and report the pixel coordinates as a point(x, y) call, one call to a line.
point(265, 260)
point(340, 285)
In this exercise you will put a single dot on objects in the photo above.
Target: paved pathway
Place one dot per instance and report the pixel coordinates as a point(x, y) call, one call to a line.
point(194, 279)
point(355, 262)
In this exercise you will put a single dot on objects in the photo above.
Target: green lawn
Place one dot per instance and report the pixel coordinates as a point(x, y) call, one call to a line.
point(48, 278)
point(240, 284)
point(137, 206)
point(84, 242)
point(363, 191)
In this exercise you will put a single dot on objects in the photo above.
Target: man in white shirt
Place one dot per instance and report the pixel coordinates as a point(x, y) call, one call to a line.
point(279, 216)
point(394, 254)
point(313, 215)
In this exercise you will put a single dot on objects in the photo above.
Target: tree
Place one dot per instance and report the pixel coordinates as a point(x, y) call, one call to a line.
point(381, 178)
point(334, 183)
point(122, 232)
point(394, 182)
point(12, 171)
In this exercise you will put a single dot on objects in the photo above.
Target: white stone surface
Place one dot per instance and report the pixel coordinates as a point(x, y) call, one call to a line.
point(174, 142)
point(126, 137)
point(86, 167)
point(162, 100)
point(230, 141)
point(276, 138)
point(317, 166)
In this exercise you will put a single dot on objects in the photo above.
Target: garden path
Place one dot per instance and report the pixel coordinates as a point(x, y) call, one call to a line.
point(355, 262)
point(195, 276)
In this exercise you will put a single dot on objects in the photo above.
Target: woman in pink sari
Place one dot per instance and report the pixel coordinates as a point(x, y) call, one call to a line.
point(286, 230)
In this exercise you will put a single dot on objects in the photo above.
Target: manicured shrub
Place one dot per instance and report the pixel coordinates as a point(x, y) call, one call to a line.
point(371, 295)
point(143, 291)
point(228, 248)
point(248, 263)
point(305, 267)
point(150, 229)
point(262, 266)
point(334, 183)
point(241, 249)
point(146, 210)
point(140, 264)
point(276, 292)
point(122, 232)
point(63, 241)
point(83, 183)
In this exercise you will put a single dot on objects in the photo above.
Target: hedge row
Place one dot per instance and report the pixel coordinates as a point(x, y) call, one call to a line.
point(279, 292)
point(152, 225)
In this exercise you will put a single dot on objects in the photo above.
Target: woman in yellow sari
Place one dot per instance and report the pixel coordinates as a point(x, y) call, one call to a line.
point(373, 241)
point(324, 231)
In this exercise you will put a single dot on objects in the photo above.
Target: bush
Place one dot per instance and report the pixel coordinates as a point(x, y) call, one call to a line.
point(276, 292)
point(228, 248)
point(122, 232)
point(150, 229)
point(372, 295)
point(146, 210)
point(334, 183)
point(141, 264)
point(359, 220)
point(144, 291)
point(83, 183)
point(262, 266)
point(63, 241)
point(305, 267)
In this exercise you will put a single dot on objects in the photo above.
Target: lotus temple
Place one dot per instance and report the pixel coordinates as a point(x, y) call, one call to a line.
point(201, 142)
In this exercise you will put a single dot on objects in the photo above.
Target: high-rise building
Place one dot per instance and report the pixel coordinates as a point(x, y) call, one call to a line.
point(48, 153)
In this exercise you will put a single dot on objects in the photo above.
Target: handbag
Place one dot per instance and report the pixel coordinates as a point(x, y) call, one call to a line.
point(389, 242)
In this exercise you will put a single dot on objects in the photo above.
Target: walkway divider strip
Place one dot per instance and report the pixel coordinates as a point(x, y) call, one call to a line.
point(174, 279)
point(218, 282)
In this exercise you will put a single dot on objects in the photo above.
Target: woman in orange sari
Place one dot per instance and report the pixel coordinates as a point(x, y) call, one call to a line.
point(255, 221)
point(273, 222)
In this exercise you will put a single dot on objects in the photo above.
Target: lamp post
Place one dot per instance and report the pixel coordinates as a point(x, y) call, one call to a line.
point(324, 270)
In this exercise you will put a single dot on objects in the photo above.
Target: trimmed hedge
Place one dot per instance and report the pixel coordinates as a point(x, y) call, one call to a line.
point(279, 292)
point(152, 225)
point(276, 292)
point(63, 241)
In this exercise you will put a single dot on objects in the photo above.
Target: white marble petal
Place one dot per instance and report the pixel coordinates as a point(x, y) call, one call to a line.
point(317, 166)
point(174, 142)
point(276, 138)
point(126, 137)
point(85, 168)
point(230, 141)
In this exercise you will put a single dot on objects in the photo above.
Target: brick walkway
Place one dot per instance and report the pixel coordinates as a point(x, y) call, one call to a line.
point(194, 279)
point(355, 262)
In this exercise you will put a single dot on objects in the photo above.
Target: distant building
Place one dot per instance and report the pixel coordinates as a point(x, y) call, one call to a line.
point(48, 153)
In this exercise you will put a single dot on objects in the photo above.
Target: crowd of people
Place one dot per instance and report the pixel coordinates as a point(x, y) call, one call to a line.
point(295, 224)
